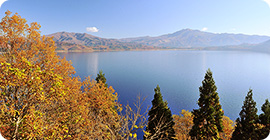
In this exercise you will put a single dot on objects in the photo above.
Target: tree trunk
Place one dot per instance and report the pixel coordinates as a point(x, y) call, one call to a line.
point(16, 129)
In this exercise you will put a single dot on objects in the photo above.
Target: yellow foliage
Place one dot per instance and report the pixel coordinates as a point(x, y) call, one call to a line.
point(135, 135)
point(32, 79)
point(39, 98)
point(183, 124)
point(227, 129)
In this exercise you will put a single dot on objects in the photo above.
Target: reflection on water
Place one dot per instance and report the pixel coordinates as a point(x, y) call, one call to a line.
point(84, 64)
point(93, 60)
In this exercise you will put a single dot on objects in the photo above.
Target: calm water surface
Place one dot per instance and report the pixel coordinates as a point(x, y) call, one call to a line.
point(179, 75)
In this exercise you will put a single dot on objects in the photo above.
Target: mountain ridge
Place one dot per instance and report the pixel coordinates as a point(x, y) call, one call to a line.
point(183, 39)
point(66, 41)
point(197, 38)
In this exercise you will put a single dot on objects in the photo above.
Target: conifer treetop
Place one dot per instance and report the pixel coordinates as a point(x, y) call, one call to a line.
point(208, 118)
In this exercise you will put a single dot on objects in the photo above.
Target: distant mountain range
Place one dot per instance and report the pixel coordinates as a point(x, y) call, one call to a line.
point(194, 38)
point(85, 42)
point(186, 38)
point(261, 47)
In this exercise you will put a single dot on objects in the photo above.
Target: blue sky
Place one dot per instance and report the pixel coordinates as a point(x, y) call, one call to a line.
point(134, 18)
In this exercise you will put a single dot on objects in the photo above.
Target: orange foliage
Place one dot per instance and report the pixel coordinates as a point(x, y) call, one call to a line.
point(39, 98)
point(33, 79)
point(102, 98)
point(101, 110)
point(36, 86)
point(228, 128)
point(184, 122)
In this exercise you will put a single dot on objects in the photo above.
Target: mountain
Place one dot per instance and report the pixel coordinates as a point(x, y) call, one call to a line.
point(188, 38)
point(85, 42)
point(262, 47)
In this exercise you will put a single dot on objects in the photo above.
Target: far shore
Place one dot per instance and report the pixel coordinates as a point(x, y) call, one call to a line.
point(166, 49)
point(156, 49)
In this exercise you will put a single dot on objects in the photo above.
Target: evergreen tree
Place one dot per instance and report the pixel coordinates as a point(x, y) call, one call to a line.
point(101, 78)
point(264, 119)
point(265, 116)
point(246, 127)
point(160, 121)
point(208, 118)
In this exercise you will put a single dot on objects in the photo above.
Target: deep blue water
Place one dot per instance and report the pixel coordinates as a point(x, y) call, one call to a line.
point(179, 75)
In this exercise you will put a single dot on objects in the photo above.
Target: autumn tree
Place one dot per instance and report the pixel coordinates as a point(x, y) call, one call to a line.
point(39, 98)
point(246, 127)
point(264, 119)
point(160, 121)
point(100, 110)
point(208, 118)
point(183, 124)
point(34, 82)
point(227, 129)
point(132, 120)
point(104, 117)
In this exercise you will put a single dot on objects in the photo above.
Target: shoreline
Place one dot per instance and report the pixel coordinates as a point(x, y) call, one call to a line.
point(166, 49)
point(158, 49)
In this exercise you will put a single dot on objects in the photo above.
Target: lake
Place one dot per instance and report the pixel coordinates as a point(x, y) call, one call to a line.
point(179, 75)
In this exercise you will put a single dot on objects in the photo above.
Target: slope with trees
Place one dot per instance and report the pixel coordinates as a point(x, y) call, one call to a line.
point(40, 99)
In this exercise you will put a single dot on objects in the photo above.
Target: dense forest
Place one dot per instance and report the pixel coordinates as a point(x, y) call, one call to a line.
point(40, 99)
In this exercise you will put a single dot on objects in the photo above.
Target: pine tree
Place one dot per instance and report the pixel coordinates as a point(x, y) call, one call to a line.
point(264, 119)
point(208, 118)
point(246, 127)
point(101, 78)
point(265, 116)
point(160, 121)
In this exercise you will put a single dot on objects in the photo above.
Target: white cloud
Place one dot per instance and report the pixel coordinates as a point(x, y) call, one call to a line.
point(92, 29)
point(1, 2)
point(204, 29)
point(268, 2)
